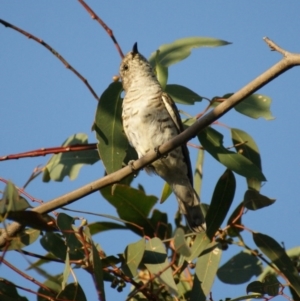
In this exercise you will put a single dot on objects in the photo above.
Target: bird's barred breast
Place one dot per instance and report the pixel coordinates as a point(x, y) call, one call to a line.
point(147, 125)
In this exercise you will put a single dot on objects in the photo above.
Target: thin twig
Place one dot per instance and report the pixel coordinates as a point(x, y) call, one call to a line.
point(195, 145)
point(275, 47)
point(22, 191)
point(261, 257)
point(286, 63)
point(152, 277)
point(53, 51)
point(46, 297)
point(44, 257)
point(27, 277)
point(94, 16)
point(51, 150)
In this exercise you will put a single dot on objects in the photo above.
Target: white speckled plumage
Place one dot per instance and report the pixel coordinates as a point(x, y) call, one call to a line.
point(150, 118)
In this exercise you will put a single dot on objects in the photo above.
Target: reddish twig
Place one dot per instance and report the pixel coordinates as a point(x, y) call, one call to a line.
point(28, 277)
point(51, 150)
point(195, 145)
point(46, 297)
point(22, 191)
point(53, 51)
point(106, 28)
point(152, 277)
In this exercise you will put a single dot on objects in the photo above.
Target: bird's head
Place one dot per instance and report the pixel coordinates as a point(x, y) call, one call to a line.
point(135, 67)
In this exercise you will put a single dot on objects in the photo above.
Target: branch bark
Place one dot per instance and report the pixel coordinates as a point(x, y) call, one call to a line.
point(288, 61)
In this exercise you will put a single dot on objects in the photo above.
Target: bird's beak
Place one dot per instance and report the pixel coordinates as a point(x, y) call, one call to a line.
point(135, 48)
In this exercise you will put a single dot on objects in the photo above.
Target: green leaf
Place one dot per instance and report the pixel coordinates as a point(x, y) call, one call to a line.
point(69, 163)
point(66, 272)
point(200, 243)
point(166, 192)
point(256, 287)
point(72, 291)
point(183, 95)
point(53, 242)
point(156, 261)
point(8, 291)
point(198, 171)
point(133, 255)
point(271, 285)
point(212, 141)
point(47, 258)
point(293, 254)
point(184, 288)
point(65, 224)
point(254, 184)
point(180, 244)
point(132, 205)
point(161, 71)
point(246, 146)
point(21, 240)
point(11, 201)
point(179, 50)
point(99, 227)
point(206, 269)
point(240, 268)
point(221, 201)
point(113, 143)
point(254, 106)
point(278, 256)
point(253, 200)
point(98, 273)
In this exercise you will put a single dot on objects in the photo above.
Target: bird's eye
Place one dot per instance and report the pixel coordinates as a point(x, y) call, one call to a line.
point(125, 67)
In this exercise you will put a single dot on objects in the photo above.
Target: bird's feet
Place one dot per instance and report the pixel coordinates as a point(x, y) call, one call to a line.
point(156, 149)
point(131, 165)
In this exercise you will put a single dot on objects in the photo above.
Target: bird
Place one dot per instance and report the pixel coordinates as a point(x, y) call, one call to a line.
point(151, 118)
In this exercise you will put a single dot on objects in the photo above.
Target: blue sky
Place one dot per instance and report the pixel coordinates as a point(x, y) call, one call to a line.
point(43, 103)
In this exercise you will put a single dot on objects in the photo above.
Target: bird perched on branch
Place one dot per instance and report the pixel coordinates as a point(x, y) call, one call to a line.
point(151, 118)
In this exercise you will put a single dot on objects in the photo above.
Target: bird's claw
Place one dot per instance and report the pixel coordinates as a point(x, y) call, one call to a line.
point(131, 165)
point(158, 153)
point(156, 149)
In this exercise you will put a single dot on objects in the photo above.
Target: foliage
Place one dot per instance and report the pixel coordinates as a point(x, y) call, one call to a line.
point(166, 262)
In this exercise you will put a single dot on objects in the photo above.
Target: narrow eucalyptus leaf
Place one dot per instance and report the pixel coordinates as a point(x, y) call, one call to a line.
point(212, 141)
point(179, 50)
point(113, 143)
point(180, 244)
point(246, 146)
point(274, 251)
point(221, 201)
point(183, 95)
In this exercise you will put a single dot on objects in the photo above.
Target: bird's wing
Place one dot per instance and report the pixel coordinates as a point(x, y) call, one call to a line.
point(173, 112)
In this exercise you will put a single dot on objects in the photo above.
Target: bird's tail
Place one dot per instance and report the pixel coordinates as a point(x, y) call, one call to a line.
point(189, 205)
